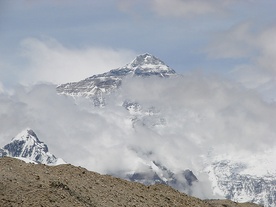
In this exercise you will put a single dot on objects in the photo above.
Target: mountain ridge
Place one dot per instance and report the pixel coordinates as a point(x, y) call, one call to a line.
point(97, 86)
point(67, 185)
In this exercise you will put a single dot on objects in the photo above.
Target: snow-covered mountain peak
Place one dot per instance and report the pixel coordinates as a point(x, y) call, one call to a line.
point(27, 146)
point(98, 86)
point(147, 64)
point(27, 135)
point(145, 59)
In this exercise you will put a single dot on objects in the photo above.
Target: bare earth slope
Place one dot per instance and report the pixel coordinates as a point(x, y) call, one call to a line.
point(23, 184)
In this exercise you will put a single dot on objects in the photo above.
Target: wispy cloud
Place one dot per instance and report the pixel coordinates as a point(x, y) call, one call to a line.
point(236, 42)
point(246, 41)
point(49, 61)
point(253, 49)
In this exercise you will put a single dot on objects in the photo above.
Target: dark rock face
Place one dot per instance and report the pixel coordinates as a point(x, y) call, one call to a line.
point(15, 149)
point(189, 176)
point(159, 174)
point(3, 153)
point(147, 178)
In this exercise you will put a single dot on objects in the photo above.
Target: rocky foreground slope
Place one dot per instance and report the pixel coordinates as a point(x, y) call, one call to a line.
point(25, 184)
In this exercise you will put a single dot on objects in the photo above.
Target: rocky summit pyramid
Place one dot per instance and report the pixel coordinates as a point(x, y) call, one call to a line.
point(94, 87)
point(28, 147)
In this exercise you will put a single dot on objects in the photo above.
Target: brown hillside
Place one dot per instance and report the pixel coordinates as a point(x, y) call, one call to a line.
point(25, 185)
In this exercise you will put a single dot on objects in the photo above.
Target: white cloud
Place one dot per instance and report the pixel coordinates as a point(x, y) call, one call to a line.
point(50, 61)
point(88, 138)
point(211, 110)
point(201, 113)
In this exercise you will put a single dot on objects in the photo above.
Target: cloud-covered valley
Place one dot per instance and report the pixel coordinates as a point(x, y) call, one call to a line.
point(199, 114)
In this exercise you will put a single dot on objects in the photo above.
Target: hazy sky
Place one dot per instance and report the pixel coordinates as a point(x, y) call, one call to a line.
point(61, 41)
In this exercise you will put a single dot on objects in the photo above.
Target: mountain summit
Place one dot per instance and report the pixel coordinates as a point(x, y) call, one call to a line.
point(148, 65)
point(94, 87)
point(28, 147)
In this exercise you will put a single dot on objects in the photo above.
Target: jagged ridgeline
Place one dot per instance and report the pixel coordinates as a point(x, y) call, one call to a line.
point(96, 86)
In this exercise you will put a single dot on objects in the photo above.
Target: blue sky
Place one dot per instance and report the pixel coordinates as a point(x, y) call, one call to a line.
point(61, 41)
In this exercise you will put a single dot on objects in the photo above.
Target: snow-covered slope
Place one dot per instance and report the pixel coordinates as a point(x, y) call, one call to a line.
point(26, 146)
point(228, 181)
point(248, 178)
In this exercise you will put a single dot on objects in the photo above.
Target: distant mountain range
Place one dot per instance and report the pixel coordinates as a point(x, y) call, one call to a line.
point(226, 176)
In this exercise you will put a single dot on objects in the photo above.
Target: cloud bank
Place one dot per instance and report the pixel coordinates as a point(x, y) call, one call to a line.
point(200, 113)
